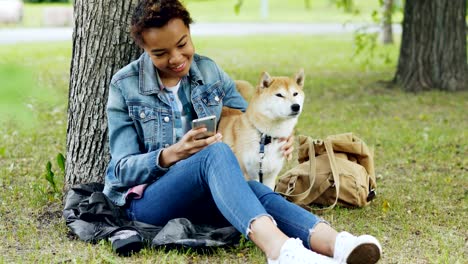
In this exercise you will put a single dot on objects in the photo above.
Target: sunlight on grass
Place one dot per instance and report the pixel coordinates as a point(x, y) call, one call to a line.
point(30, 83)
point(319, 11)
point(19, 96)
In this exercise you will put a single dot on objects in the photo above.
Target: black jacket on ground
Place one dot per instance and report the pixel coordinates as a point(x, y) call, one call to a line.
point(92, 217)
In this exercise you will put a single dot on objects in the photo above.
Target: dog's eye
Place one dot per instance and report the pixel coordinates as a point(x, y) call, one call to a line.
point(295, 94)
point(279, 95)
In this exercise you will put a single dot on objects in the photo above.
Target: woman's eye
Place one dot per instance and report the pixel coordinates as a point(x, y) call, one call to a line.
point(182, 45)
point(158, 54)
point(295, 94)
point(279, 95)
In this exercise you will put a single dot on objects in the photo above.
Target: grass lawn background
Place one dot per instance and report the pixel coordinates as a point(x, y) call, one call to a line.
point(420, 214)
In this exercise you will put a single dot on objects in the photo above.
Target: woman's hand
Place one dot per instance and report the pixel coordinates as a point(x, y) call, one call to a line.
point(186, 147)
point(288, 147)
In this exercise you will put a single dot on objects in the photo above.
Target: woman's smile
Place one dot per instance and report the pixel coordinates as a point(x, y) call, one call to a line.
point(179, 68)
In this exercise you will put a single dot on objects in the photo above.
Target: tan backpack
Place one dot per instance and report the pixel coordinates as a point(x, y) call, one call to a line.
point(337, 170)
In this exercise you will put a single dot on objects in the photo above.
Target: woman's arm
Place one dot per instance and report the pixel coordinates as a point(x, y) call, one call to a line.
point(232, 98)
point(132, 166)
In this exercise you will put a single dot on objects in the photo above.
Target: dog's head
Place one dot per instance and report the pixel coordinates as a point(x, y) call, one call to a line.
point(281, 97)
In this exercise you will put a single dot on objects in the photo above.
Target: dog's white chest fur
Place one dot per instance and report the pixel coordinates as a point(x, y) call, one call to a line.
point(271, 163)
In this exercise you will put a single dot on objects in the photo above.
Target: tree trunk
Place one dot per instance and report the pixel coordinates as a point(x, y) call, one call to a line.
point(101, 46)
point(387, 33)
point(433, 49)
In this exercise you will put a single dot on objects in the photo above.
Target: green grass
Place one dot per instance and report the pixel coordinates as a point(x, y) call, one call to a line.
point(420, 143)
point(21, 96)
point(320, 11)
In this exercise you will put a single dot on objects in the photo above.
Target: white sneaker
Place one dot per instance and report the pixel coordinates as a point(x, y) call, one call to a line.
point(351, 249)
point(293, 252)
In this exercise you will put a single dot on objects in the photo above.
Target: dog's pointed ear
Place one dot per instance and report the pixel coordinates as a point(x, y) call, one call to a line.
point(265, 80)
point(300, 77)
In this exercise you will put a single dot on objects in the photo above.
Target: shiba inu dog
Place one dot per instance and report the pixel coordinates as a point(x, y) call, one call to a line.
point(256, 136)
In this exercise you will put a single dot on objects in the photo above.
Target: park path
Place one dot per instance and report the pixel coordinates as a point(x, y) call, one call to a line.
point(19, 35)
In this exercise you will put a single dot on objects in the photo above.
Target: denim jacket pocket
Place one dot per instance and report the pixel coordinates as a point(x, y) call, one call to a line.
point(213, 95)
point(146, 121)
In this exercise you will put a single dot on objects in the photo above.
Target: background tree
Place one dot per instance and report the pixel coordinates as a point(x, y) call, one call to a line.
point(433, 47)
point(101, 46)
point(387, 32)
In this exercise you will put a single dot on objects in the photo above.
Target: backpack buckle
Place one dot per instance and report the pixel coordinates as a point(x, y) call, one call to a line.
point(371, 195)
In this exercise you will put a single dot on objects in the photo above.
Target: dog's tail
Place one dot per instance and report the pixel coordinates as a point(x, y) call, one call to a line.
point(227, 111)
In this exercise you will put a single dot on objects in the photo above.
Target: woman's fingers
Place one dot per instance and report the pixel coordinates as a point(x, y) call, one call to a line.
point(288, 147)
point(193, 133)
point(192, 143)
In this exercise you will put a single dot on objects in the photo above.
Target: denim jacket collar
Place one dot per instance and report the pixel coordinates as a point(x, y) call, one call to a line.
point(150, 82)
point(195, 74)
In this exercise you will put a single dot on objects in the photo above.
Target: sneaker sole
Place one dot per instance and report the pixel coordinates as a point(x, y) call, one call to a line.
point(368, 251)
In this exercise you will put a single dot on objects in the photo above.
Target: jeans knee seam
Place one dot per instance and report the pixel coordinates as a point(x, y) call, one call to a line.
point(312, 230)
point(248, 230)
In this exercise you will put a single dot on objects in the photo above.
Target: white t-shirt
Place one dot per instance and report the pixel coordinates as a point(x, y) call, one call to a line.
point(183, 116)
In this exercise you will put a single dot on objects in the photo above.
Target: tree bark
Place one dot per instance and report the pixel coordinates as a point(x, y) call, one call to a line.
point(433, 49)
point(101, 46)
point(387, 33)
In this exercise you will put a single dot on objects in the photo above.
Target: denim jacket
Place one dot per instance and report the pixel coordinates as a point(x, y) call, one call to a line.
point(140, 118)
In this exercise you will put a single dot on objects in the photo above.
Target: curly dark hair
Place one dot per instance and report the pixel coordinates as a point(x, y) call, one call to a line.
point(156, 13)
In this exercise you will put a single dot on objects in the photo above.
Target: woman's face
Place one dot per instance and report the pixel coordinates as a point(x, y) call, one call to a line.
point(171, 50)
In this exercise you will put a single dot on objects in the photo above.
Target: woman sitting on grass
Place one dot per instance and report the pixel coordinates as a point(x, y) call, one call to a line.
point(159, 171)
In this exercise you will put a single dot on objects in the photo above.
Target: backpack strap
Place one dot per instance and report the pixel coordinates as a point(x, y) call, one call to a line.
point(335, 173)
point(298, 198)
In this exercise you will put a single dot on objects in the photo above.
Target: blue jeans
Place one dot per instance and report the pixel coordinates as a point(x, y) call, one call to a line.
point(209, 188)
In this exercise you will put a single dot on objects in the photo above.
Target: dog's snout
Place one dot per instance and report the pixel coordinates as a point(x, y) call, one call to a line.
point(295, 107)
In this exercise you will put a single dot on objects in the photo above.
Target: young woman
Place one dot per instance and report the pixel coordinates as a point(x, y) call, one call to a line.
point(160, 172)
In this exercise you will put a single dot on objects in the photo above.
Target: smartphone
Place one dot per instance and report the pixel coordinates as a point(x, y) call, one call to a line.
point(209, 122)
